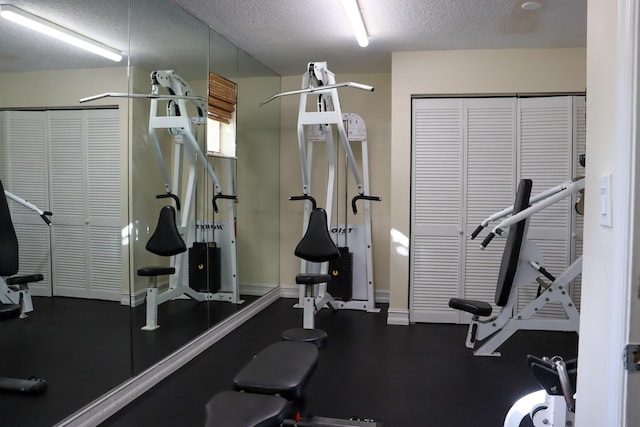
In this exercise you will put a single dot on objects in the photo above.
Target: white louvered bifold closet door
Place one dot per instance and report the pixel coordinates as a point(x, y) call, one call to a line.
point(436, 242)
point(546, 151)
point(85, 199)
point(25, 175)
point(468, 157)
point(490, 169)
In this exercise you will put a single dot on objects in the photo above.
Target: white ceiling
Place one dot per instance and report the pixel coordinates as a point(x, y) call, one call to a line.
point(286, 34)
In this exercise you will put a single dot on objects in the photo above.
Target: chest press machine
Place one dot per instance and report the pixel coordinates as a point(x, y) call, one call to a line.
point(15, 302)
point(175, 223)
point(521, 265)
point(314, 276)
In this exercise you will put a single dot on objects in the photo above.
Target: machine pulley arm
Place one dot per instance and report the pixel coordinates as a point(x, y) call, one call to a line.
point(538, 203)
point(43, 214)
point(313, 89)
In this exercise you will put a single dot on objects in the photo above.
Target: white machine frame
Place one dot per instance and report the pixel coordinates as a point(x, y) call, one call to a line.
point(545, 410)
point(329, 114)
point(179, 124)
point(20, 294)
point(496, 330)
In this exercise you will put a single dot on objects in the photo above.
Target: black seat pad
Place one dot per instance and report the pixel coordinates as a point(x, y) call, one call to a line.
point(8, 239)
point(283, 368)
point(235, 409)
point(316, 244)
point(166, 239)
point(477, 308)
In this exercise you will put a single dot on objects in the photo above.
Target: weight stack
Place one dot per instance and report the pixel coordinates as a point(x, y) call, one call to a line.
point(204, 267)
point(341, 271)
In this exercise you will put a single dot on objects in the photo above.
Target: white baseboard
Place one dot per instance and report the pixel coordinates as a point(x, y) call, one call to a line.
point(256, 289)
point(398, 317)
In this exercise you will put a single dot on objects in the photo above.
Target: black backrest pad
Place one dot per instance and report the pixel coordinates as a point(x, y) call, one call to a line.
point(166, 240)
point(511, 254)
point(8, 239)
point(316, 244)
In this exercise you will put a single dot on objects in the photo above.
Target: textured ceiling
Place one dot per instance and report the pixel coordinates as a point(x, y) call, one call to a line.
point(286, 34)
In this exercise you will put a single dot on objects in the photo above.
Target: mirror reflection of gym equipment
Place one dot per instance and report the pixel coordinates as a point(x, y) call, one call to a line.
point(176, 223)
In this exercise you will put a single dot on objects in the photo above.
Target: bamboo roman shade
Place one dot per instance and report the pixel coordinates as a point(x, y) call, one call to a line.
point(222, 98)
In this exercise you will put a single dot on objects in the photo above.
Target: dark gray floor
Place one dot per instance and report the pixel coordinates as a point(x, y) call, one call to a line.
point(420, 375)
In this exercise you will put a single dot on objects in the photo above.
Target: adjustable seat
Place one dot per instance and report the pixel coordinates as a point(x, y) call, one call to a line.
point(165, 241)
point(316, 246)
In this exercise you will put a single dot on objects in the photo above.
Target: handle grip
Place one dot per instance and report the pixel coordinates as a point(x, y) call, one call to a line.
point(487, 240)
point(362, 197)
point(304, 197)
point(171, 195)
point(477, 231)
point(563, 375)
point(221, 196)
point(45, 217)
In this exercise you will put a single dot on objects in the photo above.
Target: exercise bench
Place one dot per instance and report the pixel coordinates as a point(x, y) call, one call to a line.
point(268, 392)
point(521, 264)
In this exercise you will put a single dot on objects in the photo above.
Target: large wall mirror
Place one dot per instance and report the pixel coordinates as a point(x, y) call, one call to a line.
point(95, 165)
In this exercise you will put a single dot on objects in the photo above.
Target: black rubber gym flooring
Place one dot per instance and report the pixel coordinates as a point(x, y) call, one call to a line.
point(83, 348)
point(420, 375)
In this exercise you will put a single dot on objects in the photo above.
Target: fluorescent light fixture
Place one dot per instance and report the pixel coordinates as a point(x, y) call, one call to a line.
point(43, 26)
point(355, 17)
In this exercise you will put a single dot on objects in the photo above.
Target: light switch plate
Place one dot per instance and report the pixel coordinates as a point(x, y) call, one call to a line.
point(606, 218)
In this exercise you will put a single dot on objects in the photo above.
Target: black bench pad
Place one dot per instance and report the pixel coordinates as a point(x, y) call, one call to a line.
point(21, 280)
point(477, 308)
point(312, 279)
point(236, 409)
point(283, 368)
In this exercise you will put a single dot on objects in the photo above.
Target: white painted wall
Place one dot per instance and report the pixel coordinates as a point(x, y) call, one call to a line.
point(607, 284)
